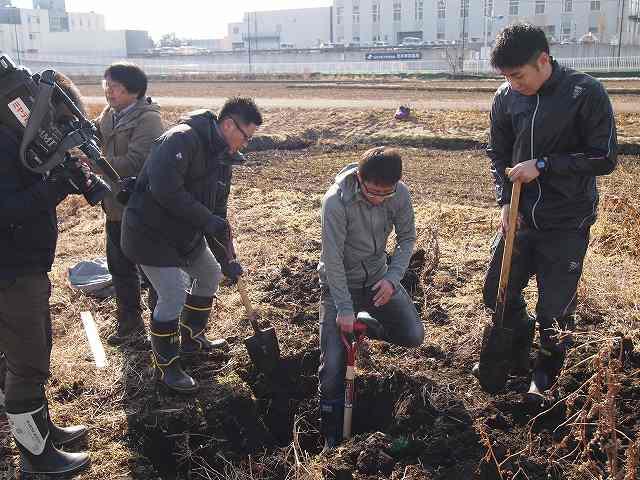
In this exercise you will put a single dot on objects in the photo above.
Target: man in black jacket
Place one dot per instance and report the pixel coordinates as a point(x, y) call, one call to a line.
point(179, 205)
point(28, 236)
point(556, 128)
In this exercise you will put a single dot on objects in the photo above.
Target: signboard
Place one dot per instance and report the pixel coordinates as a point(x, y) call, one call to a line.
point(393, 55)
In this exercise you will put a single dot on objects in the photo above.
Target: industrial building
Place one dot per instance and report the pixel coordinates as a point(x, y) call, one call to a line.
point(277, 29)
point(446, 21)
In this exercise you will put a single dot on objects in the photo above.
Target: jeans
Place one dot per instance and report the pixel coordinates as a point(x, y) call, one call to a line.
point(171, 283)
point(25, 339)
point(398, 317)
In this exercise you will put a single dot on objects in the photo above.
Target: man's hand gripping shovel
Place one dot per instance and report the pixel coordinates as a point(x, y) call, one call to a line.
point(364, 324)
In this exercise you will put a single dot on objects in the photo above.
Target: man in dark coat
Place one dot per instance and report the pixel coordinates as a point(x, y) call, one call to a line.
point(555, 127)
point(180, 202)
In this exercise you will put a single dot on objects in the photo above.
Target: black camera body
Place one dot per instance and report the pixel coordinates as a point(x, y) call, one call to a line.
point(27, 109)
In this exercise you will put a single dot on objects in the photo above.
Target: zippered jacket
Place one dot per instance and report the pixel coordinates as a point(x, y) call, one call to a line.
point(126, 144)
point(354, 237)
point(185, 182)
point(569, 121)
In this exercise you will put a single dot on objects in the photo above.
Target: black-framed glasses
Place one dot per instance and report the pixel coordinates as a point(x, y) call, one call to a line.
point(244, 134)
point(379, 195)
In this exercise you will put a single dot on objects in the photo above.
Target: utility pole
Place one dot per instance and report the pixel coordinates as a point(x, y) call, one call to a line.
point(15, 31)
point(465, 13)
point(620, 33)
point(249, 40)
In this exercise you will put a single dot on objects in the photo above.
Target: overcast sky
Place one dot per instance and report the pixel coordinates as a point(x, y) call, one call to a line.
point(187, 18)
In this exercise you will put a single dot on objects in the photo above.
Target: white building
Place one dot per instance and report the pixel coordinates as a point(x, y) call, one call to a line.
point(296, 28)
point(29, 33)
point(366, 21)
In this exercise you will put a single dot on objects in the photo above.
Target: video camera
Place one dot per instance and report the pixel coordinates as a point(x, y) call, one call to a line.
point(27, 108)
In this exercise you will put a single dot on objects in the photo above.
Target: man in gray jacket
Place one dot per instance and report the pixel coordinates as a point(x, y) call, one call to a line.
point(128, 126)
point(366, 202)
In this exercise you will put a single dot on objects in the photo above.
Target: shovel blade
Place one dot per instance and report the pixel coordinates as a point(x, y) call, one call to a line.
point(495, 358)
point(263, 349)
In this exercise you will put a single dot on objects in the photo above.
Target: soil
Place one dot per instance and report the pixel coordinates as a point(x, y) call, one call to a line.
point(419, 413)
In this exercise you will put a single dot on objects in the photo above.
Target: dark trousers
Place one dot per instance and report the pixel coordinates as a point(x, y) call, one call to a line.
point(126, 280)
point(398, 316)
point(554, 257)
point(25, 339)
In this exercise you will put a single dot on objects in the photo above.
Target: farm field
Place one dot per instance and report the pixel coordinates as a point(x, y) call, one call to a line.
point(419, 414)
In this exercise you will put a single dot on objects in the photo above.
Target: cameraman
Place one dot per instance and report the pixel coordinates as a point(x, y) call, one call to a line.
point(128, 126)
point(28, 235)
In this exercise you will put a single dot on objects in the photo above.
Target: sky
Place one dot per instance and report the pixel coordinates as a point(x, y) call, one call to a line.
point(187, 18)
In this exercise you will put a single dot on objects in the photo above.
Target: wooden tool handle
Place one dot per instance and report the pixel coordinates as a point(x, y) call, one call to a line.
point(251, 313)
point(505, 268)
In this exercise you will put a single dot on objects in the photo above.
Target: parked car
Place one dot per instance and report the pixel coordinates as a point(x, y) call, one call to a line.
point(379, 43)
point(411, 42)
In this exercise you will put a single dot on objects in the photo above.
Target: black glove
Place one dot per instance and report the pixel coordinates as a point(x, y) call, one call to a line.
point(232, 270)
point(218, 227)
point(58, 186)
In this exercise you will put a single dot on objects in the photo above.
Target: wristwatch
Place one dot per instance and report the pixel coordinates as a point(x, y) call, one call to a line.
point(542, 164)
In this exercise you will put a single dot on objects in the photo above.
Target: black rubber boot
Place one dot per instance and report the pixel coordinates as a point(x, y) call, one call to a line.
point(38, 455)
point(165, 342)
point(61, 436)
point(130, 326)
point(193, 324)
point(551, 356)
point(331, 420)
point(524, 331)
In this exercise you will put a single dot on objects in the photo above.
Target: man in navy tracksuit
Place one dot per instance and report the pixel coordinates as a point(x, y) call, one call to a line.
point(556, 128)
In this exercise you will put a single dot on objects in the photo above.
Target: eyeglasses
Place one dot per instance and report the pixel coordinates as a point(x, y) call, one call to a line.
point(246, 137)
point(378, 194)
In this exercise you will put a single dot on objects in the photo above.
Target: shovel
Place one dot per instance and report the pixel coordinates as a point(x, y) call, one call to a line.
point(262, 346)
point(363, 322)
point(497, 341)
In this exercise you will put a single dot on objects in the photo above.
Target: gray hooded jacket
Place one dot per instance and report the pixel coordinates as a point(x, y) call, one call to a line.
point(354, 237)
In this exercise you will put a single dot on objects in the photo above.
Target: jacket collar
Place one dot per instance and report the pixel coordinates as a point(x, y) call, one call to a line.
point(557, 74)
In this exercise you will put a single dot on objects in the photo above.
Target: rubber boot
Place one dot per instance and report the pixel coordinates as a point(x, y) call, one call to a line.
point(38, 455)
point(551, 356)
point(130, 326)
point(193, 323)
point(331, 420)
point(165, 343)
point(524, 331)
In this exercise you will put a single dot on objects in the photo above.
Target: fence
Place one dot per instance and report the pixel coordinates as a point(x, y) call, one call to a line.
point(200, 65)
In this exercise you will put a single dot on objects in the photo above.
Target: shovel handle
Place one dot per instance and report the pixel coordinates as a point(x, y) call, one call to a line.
point(251, 313)
point(505, 268)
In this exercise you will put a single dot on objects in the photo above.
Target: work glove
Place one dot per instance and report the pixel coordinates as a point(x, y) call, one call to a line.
point(232, 270)
point(63, 181)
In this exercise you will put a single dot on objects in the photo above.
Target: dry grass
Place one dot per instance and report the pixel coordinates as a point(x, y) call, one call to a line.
point(274, 210)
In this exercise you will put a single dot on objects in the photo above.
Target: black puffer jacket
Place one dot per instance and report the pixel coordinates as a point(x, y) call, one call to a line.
point(571, 122)
point(184, 182)
point(28, 222)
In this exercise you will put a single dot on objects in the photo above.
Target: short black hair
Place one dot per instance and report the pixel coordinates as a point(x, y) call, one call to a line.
point(130, 75)
point(517, 45)
point(381, 165)
point(243, 109)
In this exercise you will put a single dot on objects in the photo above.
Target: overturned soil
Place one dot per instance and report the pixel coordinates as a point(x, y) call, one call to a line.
point(419, 413)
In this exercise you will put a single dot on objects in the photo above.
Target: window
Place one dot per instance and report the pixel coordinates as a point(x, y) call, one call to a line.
point(419, 10)
point(540, 7)
point(595, 5)
point(488, 8)
point(441, 31)
point(442, 8)
point(567, 6)
point(235, 30)
point(514, 7)
point(397, 11)
point(464, 8)
point(565, 30)
point(356, 14)
point(375, 12)
point(339, 12)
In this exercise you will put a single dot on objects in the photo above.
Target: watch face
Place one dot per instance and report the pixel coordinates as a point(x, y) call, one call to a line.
point(541, 164)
